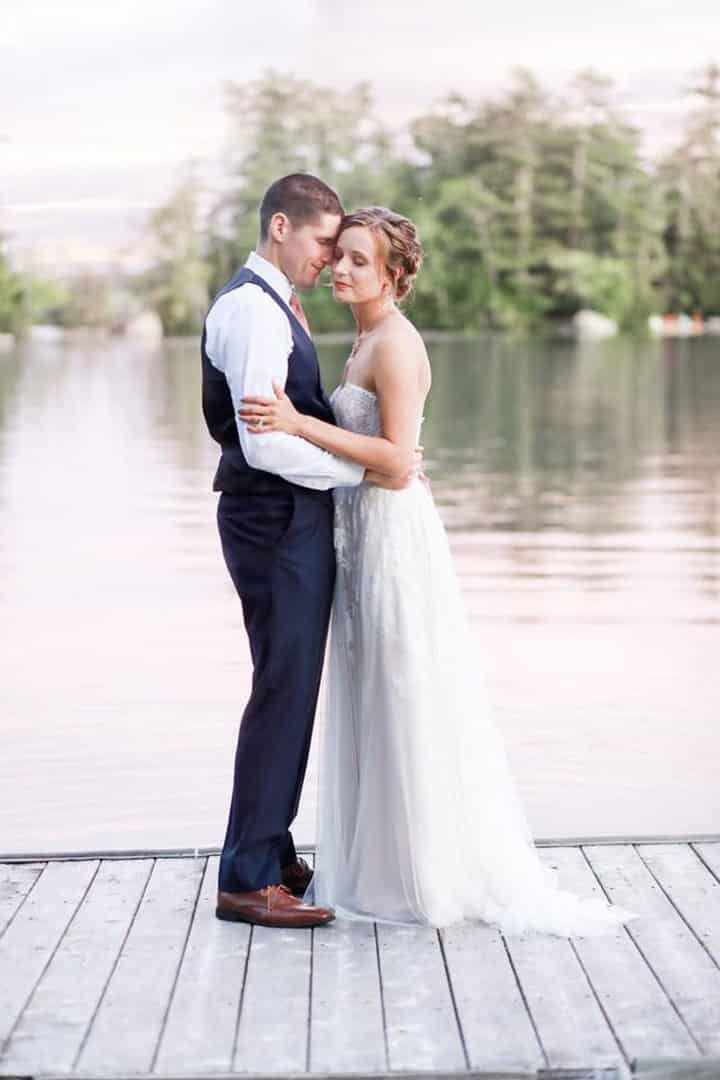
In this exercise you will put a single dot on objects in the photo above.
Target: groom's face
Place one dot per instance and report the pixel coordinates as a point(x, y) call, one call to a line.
point(308, 248)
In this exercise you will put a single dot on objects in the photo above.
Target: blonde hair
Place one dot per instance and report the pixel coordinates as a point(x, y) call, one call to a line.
point(399, 244)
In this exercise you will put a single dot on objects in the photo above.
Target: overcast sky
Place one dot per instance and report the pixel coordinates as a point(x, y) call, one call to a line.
point(101, 103)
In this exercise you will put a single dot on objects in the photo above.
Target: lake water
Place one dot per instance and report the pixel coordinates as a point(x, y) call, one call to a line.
point(580, 485)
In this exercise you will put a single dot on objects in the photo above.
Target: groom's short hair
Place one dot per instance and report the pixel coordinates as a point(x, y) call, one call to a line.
point(301, 196)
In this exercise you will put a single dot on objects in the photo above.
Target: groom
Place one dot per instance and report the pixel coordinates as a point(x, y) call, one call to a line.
point(275, 518)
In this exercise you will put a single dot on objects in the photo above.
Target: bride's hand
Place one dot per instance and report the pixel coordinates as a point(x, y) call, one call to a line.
point(263, 414)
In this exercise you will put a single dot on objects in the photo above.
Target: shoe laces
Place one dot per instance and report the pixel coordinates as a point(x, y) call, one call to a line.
point(273, 893)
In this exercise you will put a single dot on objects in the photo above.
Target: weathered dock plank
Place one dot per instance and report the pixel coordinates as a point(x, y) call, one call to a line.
point(32, 937)
point(572, 1028)
point(636, 1006)
point(497, 1027)
point(346, 1023)
point(119, 967)
point(671, 1069)
point(688, 974)
point(692, 888)
point(15, 884)
point(202, 1019)
point(48, 1037)
point(128, 1023)
point(710, 854)
point(422, 1029)
point(274, 1018)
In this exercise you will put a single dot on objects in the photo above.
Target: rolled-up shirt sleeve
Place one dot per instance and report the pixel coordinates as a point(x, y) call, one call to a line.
point(249, 340)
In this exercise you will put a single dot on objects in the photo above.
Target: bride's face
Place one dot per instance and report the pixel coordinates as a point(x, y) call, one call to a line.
point(358, 274)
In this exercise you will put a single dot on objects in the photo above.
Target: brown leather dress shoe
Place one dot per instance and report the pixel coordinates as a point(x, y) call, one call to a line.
point(273, 905)
point(297, 876)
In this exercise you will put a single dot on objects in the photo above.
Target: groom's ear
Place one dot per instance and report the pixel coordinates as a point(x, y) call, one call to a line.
point(279, 227)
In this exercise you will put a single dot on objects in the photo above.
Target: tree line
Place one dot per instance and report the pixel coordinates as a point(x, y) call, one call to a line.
point(530, 205)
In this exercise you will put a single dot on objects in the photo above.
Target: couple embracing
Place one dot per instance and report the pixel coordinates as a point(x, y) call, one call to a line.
point(326, 522)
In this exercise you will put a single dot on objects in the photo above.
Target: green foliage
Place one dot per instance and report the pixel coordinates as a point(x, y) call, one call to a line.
point(585, 280)
point(13, 315)
point(26, 299)
point(45, 300)
point(529, 207)
point(178, 284)
point(278, 125)
point(690, 177)
point(88, 303)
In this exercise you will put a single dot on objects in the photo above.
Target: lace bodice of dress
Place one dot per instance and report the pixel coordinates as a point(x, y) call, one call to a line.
point(356, 409)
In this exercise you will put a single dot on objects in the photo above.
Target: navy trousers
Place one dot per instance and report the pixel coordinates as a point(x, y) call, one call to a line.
point(278, 547)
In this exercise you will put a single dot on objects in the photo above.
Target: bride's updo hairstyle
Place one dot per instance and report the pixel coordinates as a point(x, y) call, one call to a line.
point(397, 242)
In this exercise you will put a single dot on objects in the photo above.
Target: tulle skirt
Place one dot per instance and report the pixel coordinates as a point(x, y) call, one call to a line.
point(419, 820)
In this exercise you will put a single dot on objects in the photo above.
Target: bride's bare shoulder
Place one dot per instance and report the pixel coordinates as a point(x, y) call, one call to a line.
point(403, 331)
point(400, 346)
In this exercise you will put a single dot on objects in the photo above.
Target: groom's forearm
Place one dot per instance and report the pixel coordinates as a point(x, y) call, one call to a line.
point(299, 462)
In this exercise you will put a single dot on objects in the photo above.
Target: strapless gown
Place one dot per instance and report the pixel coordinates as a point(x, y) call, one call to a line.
point(418, 817)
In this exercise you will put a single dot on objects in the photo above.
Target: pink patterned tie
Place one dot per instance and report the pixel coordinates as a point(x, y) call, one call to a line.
point(296, 307)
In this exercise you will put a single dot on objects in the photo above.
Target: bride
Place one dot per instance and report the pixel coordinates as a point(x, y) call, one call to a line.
point(419, 820)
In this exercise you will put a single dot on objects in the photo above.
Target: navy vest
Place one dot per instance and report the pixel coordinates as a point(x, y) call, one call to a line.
point(303, 387)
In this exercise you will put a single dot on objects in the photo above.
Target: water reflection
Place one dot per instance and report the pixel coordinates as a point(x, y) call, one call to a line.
point(556, 436)
point(580, 488)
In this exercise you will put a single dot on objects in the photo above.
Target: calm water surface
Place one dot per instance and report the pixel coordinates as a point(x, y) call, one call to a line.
point(581, 489)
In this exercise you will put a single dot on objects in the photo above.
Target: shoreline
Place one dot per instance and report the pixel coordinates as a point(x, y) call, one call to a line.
point(204, 851)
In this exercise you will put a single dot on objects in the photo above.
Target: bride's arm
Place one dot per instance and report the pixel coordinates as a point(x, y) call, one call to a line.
point(396, 367)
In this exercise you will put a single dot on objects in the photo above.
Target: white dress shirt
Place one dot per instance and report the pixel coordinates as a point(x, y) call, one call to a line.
point(249, 339)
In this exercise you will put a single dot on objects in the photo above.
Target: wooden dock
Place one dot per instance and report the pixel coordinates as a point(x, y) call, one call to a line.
point(116, 966)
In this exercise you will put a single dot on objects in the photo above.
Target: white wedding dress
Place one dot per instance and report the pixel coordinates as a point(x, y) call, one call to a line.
point(418, 817)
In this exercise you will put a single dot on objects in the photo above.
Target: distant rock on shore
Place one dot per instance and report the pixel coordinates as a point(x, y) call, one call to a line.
point(592, 325)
